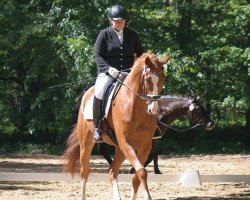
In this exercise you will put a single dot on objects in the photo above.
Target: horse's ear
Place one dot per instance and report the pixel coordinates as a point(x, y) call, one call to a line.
point(147, 60)
point(165, 60)
point(197, 99)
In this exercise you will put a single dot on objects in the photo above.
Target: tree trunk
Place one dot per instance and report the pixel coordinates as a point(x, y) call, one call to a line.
point(185, 23)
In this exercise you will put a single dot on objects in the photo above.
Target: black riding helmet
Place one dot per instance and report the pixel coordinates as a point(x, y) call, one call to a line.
point(117, 12)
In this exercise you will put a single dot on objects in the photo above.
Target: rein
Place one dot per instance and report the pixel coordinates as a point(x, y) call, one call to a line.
point(179, 130)
point(80, 81)
point(144, 98)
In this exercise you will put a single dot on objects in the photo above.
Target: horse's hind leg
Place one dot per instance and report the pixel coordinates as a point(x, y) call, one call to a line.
point(114, 171)
point(86, 146)
point(104, 150)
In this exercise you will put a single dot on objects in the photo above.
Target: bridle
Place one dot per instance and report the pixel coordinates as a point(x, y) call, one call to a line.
point(178, 130)
point(191, 114)
point(147, 98)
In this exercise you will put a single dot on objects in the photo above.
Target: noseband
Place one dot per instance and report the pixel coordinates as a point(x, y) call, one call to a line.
point(191, 108)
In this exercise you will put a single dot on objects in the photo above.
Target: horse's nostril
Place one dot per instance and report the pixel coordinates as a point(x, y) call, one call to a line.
point(149, 111)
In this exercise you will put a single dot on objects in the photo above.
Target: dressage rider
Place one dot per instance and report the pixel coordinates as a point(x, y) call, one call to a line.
point(116, 48)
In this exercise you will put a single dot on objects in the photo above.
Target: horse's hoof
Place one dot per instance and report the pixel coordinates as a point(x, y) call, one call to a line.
point(158, 172)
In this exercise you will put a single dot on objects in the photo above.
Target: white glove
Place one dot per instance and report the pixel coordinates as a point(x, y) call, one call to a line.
point(113, 72)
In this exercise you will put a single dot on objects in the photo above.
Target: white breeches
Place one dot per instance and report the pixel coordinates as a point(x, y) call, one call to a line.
point(102, 81)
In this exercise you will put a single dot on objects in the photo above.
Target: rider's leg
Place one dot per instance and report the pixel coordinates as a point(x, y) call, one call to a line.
point(97, 116)
point(101, 83)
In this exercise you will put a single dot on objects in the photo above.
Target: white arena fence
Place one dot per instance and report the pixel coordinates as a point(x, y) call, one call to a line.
point(190, 178)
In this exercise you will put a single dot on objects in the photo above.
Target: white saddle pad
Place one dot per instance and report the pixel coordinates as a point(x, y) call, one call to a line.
point(88, 110)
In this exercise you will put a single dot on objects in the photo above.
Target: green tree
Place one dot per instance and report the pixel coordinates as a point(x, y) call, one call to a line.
point(214, 58)
point(46, 57)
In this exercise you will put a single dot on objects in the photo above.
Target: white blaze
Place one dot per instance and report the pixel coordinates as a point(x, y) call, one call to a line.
point(155, 80)
point(191, 107)
point(153, 106)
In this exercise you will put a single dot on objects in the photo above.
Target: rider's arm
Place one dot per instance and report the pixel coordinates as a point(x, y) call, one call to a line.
point(99, 52)
point(139, 50)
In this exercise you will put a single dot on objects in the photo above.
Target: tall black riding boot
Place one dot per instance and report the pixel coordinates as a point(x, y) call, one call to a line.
point(97, 115)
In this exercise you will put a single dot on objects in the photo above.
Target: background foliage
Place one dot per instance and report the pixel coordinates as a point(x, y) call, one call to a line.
point(46, 62)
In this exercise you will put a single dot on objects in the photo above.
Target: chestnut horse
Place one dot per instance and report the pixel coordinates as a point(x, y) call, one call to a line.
point(133, 110)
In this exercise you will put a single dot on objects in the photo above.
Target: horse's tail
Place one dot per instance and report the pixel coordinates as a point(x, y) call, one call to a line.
point(72, 153)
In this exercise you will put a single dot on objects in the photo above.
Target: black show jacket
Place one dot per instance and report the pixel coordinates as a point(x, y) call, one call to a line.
point(109, 52)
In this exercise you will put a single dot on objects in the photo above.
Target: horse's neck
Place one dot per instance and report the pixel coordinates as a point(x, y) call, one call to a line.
point(175, 109)
point(133, 80)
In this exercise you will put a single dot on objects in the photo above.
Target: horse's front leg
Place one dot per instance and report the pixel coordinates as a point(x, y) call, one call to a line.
point(114, 171)
point(141, 173)
point(140, 176)
point(149, 160)
point(156, 166)
point(154, 155)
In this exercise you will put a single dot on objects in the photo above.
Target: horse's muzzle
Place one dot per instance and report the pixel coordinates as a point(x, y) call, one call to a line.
point(153, 104)
point(153, 107)
point(209, 126)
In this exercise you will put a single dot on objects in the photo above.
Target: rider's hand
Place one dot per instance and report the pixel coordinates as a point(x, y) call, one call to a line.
point(113, 72)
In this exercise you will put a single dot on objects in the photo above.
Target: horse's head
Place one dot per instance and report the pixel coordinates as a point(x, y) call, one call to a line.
point(198, 113)
point(153, 80)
